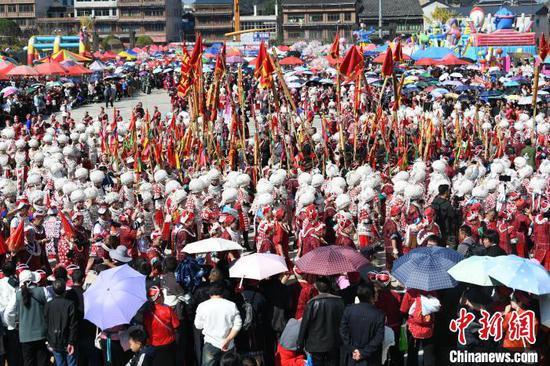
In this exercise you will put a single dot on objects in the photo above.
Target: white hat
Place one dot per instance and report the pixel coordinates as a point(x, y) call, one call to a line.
point(317, 180)
point(160, 175)
point(367, 194)
point(78, 196)
point(264, 199)
point(146, 197)
point(20, 144)
point(332, 170)
point(4, 160)
point(439, 166)
point(69, 188)
point(112, 197)
point(402, 175)
point(413, 191)
point(214, 174)
point(62, 139)
point(3, 145)
point(8, 133)
point(34, 179)
point(338, 182)
point(145, 187)
point(91, 193)
point(171, 186)
point(26, 277)
point(229, 195)
point(196, 185)
point(276, 179)
point(306, 198)
point(353, 178)
point(127, 178)
point(69, 151)
point(38, 157)
point(480, 192)
point(342, 201)
point(74, 136)
point(81, 173)
point(243, 180)
point(178, 196)
point(47, 138)
point(97, 176)
point(33, 143)
point(264, 186)
point(304, 179)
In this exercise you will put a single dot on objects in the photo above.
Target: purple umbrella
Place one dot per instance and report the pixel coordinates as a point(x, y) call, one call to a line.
point(115, 297)
point(331, 260)
point(234, 59)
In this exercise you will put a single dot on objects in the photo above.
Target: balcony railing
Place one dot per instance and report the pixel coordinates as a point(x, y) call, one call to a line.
point(205, 12)
point(213, 26)
point(17, 1)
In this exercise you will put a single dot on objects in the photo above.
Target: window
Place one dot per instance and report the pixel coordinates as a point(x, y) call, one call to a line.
point(101, 12)
point(2, 8)
point(154, 13)
point(333, 17)
point(295, 18)
point(26, 8)
point(12, 9)
point(317, 17)
point(130, 28)
point(296, 35)
point(155, 27)
point(347, 17)
point(315, 35)
point(104, 28)
point(84, 12)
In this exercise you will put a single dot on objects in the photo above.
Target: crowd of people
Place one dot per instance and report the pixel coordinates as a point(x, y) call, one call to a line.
point(276, 172)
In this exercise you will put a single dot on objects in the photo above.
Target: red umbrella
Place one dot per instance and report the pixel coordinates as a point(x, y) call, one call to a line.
point(331, 260)
point(451, 60)
point(22, 70)
point(283, 48)
point(78, 70)
point(427, 62)
point(380, 58)
point(291, 61)
point(5, 66)
point(50, 68)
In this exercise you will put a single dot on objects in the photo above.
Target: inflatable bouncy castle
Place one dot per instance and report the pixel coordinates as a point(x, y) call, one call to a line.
point(40, 46)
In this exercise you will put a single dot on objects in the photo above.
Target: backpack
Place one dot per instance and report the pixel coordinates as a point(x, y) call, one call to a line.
point(190, 272)
point(249, 314)
point(420, 326)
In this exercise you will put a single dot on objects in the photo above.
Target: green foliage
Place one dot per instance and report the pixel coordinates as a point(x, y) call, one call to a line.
point(9, 28)
point(442, 14)
point(111, 42)
point(144, 40)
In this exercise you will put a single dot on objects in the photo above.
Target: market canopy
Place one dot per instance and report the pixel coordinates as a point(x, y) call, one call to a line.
point(433, 52)
point(78, 70)
point(97, 66)
point(68, 55)
point(452, 60)
point(22, 70)
point(50, 68)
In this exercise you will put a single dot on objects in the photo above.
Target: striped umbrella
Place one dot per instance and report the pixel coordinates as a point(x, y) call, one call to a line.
point(331, 260)
point(426, 268)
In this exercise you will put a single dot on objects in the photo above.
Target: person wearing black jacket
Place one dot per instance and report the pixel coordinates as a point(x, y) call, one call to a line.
point(61, 322)
point(362, 330)
point(446, 216)
point(319, 331)
point(491, 241)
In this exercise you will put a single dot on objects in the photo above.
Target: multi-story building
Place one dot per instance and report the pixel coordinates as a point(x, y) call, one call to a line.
point(318, 19)
point(398, 17)
point(24, 12)
point(159, 19)
point(213, 19)
point(258, 17)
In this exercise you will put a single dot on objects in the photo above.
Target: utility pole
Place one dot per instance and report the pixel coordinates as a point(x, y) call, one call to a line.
point(380, 19)
point(237, 20)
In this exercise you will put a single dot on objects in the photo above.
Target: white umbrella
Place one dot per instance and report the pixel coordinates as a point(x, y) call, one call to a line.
point(472, 270)
point(456, 75)
point(258, 266)
point(211, 245)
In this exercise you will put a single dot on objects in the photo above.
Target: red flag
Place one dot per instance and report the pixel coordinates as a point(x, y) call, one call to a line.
point(197, 51)
point(219, 70)
point(264, 66)
point(16, 241)
point(352, 63)
point(387, 66)
point(398, 53)
point(335, 48)
point(543, 48)
point(67, 227)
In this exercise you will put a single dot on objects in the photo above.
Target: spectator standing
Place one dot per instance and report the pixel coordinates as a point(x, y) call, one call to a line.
point(60, 316)
point(220, 322)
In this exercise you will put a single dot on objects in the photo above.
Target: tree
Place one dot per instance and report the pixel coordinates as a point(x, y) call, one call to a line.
point(442, 15)
point(144, 40)
point(111, 42)
point(87, 21)
point(9, 28)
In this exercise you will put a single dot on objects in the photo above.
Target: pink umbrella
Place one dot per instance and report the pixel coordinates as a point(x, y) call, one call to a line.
point(22, 70)
point(331, 260)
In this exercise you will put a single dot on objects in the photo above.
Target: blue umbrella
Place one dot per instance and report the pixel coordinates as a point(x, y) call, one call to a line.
point(510, 84)
point(426, 268)
point(520, 274)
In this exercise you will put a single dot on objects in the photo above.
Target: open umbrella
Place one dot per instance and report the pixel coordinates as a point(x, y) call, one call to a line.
point(115, 297)
point(520, 274)
point(426, 268)
point(9, 90)
point(473, 270)
point(22, 70)
point(50, 68)
point(331, 260)
point(291, 61)
point(211, 245)
point(258, 266)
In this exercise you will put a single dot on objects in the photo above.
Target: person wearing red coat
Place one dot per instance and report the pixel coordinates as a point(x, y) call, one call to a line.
point(521, 223)
point(160, 322)
point(312, 233)
point(507, 232)
point(393, 238)
point(184, 233)
point(541, 238)
point(281, 232)
point(345, 231)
